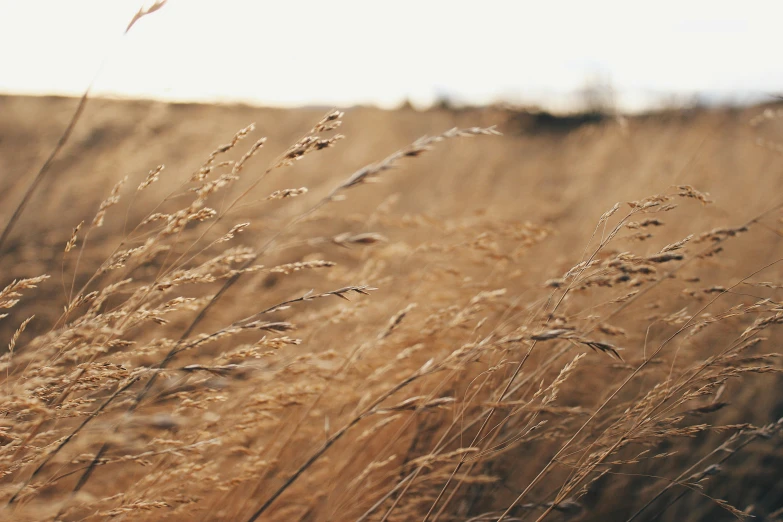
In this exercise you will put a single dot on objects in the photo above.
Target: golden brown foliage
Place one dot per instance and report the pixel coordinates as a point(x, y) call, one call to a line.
point(478, 339)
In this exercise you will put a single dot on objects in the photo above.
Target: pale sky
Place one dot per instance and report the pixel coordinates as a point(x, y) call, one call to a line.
point(343, 52)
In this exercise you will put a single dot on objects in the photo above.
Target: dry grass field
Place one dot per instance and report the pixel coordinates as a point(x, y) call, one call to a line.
point(324, 317)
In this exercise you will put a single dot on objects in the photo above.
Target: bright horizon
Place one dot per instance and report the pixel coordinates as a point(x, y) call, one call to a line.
point(350, 52)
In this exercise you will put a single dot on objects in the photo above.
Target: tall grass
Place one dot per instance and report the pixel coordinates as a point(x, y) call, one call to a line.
point(248, 353)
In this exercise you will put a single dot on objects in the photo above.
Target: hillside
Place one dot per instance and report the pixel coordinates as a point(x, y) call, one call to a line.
point(467, 302)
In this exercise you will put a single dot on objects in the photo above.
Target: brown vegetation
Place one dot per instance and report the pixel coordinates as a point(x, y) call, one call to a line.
point(570, 325)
